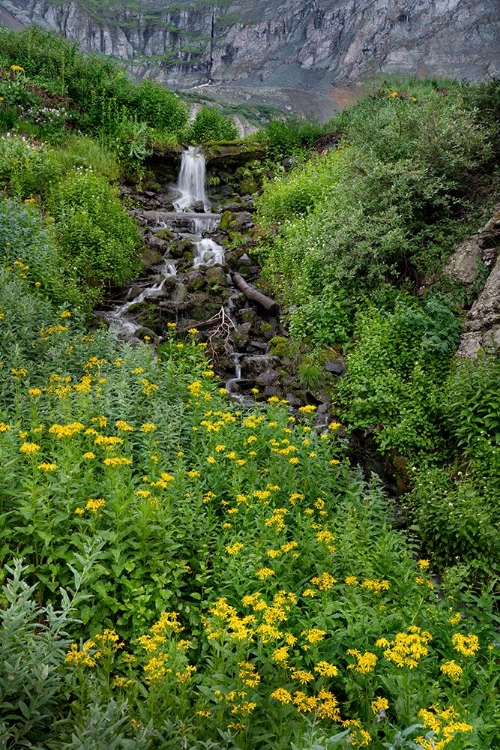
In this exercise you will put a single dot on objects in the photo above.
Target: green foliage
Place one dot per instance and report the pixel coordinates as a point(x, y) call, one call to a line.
point(291, 136)
point(395, 373)
point(294, 194)
point(210, 125)
point(159, 107)
point(456, 522)
point(94, 231)
point(389, 205)
point(30, 251)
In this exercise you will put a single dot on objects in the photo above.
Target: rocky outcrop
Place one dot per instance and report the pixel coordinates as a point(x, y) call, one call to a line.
point(296, 44)
point(481, 331)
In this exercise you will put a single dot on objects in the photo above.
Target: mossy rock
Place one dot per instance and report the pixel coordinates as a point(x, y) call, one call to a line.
point(279, 346)
point(249, 185)
point(228, 220)
point(165, 234)
point(150, 257)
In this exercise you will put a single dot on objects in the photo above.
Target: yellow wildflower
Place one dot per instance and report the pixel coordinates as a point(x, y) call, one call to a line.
point(234, 549)
point(325, 669)
point(47, 467)
point(29, 448)
point(282, 696)
point(314, 635)
point(365, 662)
point(452, 670)
point(467, 645)
point(379, 704)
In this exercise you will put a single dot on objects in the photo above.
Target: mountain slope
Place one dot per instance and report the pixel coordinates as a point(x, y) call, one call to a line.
point(304, 44)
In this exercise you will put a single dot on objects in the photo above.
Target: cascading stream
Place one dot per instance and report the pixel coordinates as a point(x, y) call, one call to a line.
point(191, 182)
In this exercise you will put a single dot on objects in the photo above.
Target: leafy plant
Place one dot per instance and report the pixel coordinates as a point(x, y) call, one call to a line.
point(210, 125)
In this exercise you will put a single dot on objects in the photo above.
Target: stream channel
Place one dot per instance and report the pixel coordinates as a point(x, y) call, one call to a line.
point(198, 274)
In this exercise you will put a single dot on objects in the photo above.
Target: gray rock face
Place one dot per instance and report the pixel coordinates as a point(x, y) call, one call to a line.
point(296, 44)
point(482, 328)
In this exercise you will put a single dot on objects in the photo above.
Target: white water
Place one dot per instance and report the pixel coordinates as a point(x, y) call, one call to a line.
point(191, 183)
point(208, 253)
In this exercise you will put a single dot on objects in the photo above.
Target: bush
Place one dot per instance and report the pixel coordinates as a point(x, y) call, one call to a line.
point(93, 229)
point(395, 373)
point(31, 252)
point(210, 125)
point(291, 136)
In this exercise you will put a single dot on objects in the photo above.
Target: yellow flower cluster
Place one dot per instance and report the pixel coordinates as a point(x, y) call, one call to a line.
point(379, 705)
point(407, 649)
point(123, 426)
point(467, 645)
point(84, 657)
point(117, 461)
point(66, 430)
point(452, 670)
point(248, 674)
point(365, 662)
point(442, 723)
point(376, 585)
point(324, 582)
point(47, 467)
point(29, 448)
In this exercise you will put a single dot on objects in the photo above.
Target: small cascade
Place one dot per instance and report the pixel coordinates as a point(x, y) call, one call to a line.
point(117, 319)
point(208, 253)
point(191, 182)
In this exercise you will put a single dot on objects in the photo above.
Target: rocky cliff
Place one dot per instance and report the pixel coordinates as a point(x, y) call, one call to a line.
point(300, 44)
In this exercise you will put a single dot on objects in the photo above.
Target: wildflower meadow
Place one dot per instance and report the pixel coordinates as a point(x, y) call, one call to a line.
point(179, 570)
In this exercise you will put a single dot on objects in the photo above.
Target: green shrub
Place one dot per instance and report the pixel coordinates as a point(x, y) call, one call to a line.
point(396, 370)
point(455, 523)
point(159, 107)
point(291, 136)
point(296, 193)
point(27, 241)
point(94, 231)
point(210, 125)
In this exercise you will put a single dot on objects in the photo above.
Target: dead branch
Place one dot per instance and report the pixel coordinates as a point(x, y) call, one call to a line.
point(254, 295)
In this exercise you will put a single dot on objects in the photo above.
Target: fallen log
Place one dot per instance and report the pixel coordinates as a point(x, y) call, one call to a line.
point(253, 294)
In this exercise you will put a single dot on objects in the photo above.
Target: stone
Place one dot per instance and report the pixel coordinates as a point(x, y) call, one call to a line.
point(272, 390)
point(149, 257)
point(270, 377)
point(179, 294)
point(198, 207)
point(165, 234)
point(335, 366)
point(256, 364)
point(196, 280)
point(215, 276)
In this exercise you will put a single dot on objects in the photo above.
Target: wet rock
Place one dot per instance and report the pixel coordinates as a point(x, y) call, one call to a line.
point(258, 345)
point(272, 390)
point(227, 220)
point(335, 366)
point(257, 364)
point(215, 276)
point(165, 234)
point(270, 377)
point(196, 280)
point(169, 286)
point(149, 257)
point(179, 293)
point(244, 260)
point(156, 244)
point(198, 207)
point(145, 332)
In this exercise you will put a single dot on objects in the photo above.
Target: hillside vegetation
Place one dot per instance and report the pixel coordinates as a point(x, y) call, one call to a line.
point(363, 232)
point(179, 571)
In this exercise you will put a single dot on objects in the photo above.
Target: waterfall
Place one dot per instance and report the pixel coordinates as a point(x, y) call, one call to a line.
point(191, 182)
point(208, 253)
